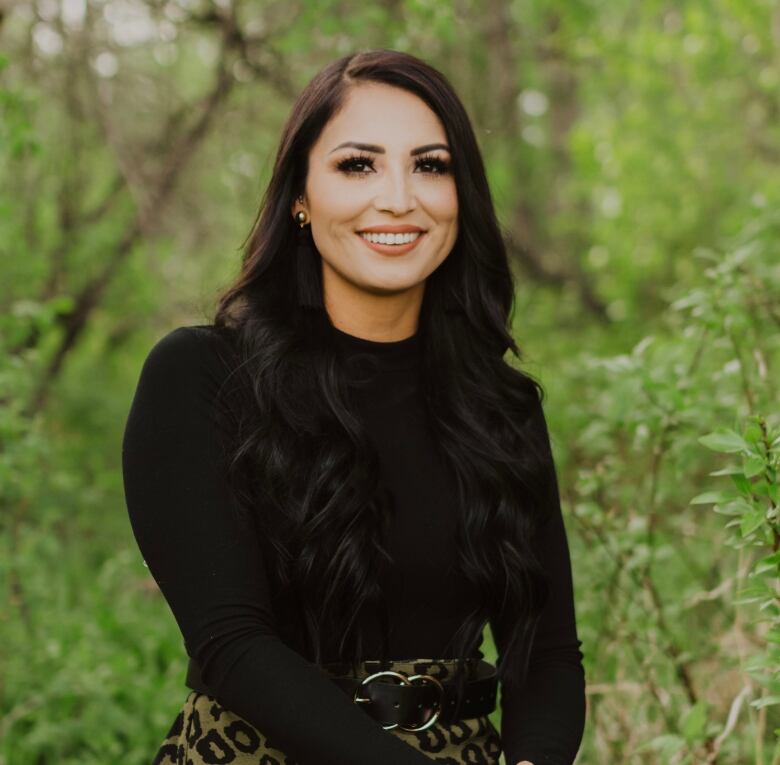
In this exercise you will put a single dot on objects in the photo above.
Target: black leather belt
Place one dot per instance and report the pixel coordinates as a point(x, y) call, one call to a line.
point(411, 702)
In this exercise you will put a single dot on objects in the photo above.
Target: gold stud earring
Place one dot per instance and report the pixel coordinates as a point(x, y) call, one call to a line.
point(302, 218)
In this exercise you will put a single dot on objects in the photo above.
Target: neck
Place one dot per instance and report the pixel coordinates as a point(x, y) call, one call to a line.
point(387, 355)
point(380, 318)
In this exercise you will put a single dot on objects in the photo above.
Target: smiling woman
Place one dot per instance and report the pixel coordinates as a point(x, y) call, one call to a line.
point(340, 482)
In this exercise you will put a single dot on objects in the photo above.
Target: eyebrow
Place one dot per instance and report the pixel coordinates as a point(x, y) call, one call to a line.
point(372, 147)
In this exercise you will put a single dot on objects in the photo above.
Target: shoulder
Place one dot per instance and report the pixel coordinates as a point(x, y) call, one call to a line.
point(182, 382)
point(177, 413)
point(186, 367)
point(188, 341)
point(189, 349)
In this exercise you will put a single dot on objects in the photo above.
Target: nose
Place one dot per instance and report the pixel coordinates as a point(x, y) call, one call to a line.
point(397, 193)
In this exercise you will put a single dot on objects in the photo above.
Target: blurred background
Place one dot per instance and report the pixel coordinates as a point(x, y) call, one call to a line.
point(633, 149)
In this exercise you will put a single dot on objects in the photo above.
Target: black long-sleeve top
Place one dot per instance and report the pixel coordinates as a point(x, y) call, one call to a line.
point(212, 569)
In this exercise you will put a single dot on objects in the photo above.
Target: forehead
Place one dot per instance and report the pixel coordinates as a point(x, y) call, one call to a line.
point(382, 114)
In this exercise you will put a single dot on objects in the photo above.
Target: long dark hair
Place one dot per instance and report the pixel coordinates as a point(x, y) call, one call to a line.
point(302, 462)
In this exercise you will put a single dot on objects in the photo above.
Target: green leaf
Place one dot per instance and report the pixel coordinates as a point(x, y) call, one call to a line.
point(773, 559)
point(710, 497)
point(752, 520)
point(695, 721)
point(738, 506)
point(765, 566)
point(769, 604)
point(753, 433)
point(765, 702)
point(742, 483)
point(667, 744)
point(727, 510)
point(724, 440)
point(728, 470)
point(745, 601)
point(753, 465)
point(755, 591)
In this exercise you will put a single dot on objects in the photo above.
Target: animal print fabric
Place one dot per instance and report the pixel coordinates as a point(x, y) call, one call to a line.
point(205, 733)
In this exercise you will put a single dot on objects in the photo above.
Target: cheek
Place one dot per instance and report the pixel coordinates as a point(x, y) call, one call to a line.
point(331, 211)
point(443, 203)
point(333, 200)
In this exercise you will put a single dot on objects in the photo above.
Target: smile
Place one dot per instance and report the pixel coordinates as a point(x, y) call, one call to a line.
point(392, 244)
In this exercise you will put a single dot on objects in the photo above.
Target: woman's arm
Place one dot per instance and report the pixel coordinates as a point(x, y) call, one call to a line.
point(208, 565)
point(543, 720)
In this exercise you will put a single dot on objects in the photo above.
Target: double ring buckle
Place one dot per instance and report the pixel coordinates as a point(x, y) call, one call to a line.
point(405, 680)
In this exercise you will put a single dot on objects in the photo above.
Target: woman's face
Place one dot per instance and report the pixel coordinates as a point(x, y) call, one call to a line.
point(400, 176)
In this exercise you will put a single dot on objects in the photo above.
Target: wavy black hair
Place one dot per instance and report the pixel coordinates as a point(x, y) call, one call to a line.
point(302, 462)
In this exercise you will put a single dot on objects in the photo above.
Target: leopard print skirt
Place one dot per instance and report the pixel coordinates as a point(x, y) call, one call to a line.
point(205, 733)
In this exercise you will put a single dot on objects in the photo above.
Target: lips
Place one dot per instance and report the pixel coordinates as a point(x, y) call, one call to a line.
point(394, 229)
point(392, 249)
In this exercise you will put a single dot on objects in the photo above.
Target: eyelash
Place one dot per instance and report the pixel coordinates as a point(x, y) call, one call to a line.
point(442, 166)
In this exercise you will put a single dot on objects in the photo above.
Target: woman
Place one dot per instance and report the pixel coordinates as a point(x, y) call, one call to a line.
point(340, 481)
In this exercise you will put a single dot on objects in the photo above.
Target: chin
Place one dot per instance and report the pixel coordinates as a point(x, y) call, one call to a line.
point(388, 288)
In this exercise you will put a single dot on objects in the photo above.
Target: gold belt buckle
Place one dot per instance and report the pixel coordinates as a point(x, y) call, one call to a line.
point(405, 680)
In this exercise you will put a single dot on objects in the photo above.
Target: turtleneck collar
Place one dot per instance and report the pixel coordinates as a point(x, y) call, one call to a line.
point(386, 355)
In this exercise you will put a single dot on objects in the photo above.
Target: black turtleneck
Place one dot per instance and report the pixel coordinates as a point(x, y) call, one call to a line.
point(210, 566)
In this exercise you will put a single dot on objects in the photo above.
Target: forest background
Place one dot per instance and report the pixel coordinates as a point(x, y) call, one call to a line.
point(633, 150)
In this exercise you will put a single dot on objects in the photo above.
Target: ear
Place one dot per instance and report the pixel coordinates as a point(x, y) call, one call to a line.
point(297, 205)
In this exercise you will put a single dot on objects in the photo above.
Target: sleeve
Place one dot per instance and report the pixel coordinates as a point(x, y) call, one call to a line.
point(209, 567)
point(543, 720)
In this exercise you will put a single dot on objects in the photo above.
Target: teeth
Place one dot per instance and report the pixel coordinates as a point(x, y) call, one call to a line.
point(391, 238)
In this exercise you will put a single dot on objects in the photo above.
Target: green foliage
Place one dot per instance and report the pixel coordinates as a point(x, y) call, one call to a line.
point(86, 642)
point(16, 133)
point(756, 524)
point(675, 602)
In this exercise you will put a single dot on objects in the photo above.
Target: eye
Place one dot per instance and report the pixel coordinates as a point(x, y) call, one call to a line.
point(348, 165)
point(441, 167)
